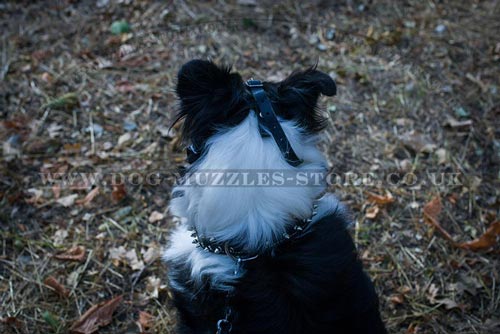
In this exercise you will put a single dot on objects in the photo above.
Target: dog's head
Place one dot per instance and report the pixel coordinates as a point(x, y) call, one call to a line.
point(212, 98)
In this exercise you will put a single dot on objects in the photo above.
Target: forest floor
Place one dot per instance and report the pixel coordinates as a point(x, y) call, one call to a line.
point(87, 90)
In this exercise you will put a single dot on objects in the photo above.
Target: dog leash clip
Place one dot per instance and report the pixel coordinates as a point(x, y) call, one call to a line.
point(224, 326)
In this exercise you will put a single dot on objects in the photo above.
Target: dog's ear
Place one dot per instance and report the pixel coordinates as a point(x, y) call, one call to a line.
point(201, 82)
point(308, 84)
point(298, 96)
point(210, 96)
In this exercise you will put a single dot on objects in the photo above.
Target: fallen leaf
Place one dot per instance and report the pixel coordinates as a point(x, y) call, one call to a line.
point(151, 255)
point(447, 303)
point(155, 216)
point(489, 239)
point(58, 287)
point(432, 293)
point(97, 316)
point(442, 156)
point(154, 286)
point(37, 196)
point(76, 253)
point(133, 261)
point(65, 101)
point(431, 213)
point(397, 299)
point(121, 255)
point(417, 142)
point(67, 201)
point(145, 321)
point(124, 138)
point(117, 254)
point(90, 196)
point(12, 322)
point(46, 77)
point(51, 320)
point(379, 199)
point(60, 236)
point(372, 212)
point(119, 192)
point(412, 329)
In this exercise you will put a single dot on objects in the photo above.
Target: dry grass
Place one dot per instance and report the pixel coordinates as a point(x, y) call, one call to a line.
point(396, 73)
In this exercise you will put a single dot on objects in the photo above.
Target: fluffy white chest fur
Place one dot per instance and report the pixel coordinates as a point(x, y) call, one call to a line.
point(250, 216)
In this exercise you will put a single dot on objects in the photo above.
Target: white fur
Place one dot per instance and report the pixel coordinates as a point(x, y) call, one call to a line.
point(220, 269)
point(251, 216)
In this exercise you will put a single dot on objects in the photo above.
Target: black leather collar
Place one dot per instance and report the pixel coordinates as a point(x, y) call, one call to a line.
point(268, 124)
point(267, 119)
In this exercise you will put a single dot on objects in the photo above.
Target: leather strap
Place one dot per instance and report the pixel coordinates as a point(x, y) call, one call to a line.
point(267, 118)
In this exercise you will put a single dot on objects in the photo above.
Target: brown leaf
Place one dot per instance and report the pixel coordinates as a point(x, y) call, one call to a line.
point(90, 196)
point(58, 287)
point(379, 199)
point(397, 299)
point(431, 213)
point(12, 321)
point(119, 192)
point(145, 321)
point(486, 241)
point(372, 212)
point(97, 316)
point(76, 253)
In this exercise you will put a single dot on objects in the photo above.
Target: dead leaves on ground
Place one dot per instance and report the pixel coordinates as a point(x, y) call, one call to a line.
point(431, 213)
point(145, 321)
point(377, 202)
point(97, 316)
point(58, 287)
point(486, 241)
point(76, 253)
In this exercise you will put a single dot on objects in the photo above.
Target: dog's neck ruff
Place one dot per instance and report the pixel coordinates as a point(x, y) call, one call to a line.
point(211, 245)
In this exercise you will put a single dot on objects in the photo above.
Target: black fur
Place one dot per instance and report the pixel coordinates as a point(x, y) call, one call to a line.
point(313, 284)
point(212, 97)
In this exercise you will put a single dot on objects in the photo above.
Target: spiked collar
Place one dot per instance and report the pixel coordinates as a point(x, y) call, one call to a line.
point(224, 248)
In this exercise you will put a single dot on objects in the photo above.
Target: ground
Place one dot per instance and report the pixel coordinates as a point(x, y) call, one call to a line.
point(87, 88)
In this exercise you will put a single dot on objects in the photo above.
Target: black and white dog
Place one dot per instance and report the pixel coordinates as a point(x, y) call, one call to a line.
point(261, 259)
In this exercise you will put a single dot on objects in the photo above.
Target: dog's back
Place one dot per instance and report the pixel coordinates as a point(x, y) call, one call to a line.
point(311, 284)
